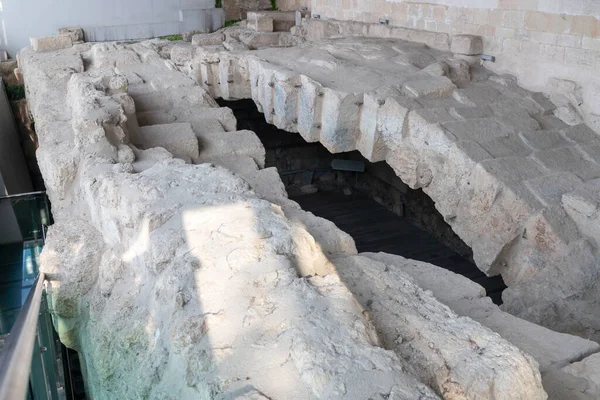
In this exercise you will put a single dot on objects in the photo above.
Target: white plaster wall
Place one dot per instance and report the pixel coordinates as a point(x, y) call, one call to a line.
point(22, 19)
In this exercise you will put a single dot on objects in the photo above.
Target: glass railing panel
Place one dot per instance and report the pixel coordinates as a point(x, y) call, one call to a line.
point(31, 213)
point(46, 365)
point(24, 219)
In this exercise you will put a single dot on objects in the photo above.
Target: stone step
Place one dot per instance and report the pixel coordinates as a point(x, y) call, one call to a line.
point(178, 138)
point(204, 121)
point(159, 77)
point(215, 145)
point(189, 98)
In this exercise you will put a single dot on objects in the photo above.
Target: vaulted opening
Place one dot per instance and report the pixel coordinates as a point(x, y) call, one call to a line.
point(366, 200)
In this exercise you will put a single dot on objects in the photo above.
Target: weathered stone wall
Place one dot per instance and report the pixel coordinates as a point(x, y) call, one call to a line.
point(534, 40)
point(237, 9)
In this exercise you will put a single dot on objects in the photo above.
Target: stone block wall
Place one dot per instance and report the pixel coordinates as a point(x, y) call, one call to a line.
point(238, 9)
point(536, 40)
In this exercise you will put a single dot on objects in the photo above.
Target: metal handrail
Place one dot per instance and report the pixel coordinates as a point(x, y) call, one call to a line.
point(15, 361)
point(19, 195)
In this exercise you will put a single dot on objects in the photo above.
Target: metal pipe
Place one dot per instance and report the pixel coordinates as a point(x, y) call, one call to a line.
point(15, 362)
point(16, 196)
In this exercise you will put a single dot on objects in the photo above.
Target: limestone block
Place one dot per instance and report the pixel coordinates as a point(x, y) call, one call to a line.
point(506, 146)
point(477, 95)
point(178, 138)
point(234, 78)
point(478, 130)
point(260, 22)
point(581, 134)
point(184, 98)
point(568, 159)
point(545, 105)
point(550, 349)
point(58, 164)
point(209, 77)
point(310, 108)
point(391, 119)
point(235, 45)
point(423, 126)
point(439, 86)
point(146, 159)
point(333, 241)
point(592, 151)
point(435, 40)
point(204, 125)
point(551, 122)
point(542, 140)
point(549, 189)
point(158, 76)
point(563, 385)
point(513, 169)
point(226, 144)
point(200, 114)
point(459, 71)
point(182, 53)
point(261, 84)
point(240, 165)
point(444, 349)
point(73, 270)
point(208, 39)
point(260, 40)
point(583, 205)
point(75, 33)
point(433, 278)
point(467, 44)
point(488, 210)
point(188, 35)
point(412, 167)
point(513, 113)
point(370, 142)
point(267, 184)
point(159, 117)
point(285, 100)
point(340, 120)
point(588, 369)
point(286, 39)
point(51, 43)
point(471, 112)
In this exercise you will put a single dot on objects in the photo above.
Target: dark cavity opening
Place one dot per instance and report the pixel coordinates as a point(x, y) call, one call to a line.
point(375, 207)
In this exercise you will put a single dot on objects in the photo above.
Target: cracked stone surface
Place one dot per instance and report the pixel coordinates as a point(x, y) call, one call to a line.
point(515, 182)
point(178, 279)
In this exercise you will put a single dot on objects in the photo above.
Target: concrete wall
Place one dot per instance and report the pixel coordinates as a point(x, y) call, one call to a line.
point(101, 19)
point(536, 40)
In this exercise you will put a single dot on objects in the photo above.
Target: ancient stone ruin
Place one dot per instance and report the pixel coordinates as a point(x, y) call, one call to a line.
point(179, 268)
